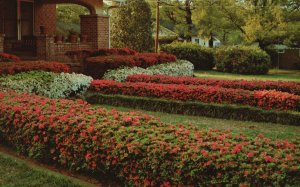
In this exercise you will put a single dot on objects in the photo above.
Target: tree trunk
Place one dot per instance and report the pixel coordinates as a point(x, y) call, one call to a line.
point(188, 19)
point(211, 41)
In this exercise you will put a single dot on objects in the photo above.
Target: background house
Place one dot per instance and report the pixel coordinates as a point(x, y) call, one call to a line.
point(204, 42)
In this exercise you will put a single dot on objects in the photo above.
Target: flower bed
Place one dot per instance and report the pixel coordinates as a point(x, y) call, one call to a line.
point(140, 150)
point(52, 85)
point(178, 68)
point(4, 57)
point(97, 66)
point(18, 67)
point(207, 94)
point(290, 87)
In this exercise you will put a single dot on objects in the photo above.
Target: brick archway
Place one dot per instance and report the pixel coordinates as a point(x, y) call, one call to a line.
point(94, 6)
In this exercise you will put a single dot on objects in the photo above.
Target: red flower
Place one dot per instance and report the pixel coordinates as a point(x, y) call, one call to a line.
point(250, 154)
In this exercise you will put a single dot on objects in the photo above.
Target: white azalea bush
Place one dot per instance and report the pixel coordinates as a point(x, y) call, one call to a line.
point(121, 74)
point(52, 85)
point(178, 68)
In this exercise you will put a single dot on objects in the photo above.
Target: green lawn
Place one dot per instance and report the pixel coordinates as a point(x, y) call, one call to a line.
point(18, 173)
point(251, 129)
point(274, 74)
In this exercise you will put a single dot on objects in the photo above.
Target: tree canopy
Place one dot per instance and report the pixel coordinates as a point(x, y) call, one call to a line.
point(234, 21)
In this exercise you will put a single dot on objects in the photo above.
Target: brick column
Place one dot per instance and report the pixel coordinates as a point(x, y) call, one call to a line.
point(96, 27)
point(43, 47)
point(1, 43)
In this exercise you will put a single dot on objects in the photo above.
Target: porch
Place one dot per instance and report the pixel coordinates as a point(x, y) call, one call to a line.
point(28, 29)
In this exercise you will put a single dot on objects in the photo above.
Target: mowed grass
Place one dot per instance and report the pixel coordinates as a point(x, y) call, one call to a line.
point(18, 173)
point(250, 129)
point(274, 74)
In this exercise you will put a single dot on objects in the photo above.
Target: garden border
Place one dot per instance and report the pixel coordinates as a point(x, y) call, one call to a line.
point(222, 111)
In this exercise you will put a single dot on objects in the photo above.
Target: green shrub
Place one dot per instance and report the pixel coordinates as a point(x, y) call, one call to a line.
point(201, 57)
point(52, 85)
point(222, 111)
point(242, 60)
point(178, 68)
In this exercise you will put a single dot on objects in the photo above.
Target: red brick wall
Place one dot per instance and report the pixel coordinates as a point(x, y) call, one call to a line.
point(45, 15)
point(97, 29)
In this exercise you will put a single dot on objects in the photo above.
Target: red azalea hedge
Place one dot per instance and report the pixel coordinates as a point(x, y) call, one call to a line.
point(290, 87)
point(97, 66)
point(207, 94)
point(140, 150)
point(4, 57)
point(18, 67)
point(101, 52)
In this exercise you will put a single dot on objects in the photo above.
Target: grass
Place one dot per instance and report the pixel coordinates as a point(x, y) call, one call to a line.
point(274, 74)
point(250, 129)
point(15, 173)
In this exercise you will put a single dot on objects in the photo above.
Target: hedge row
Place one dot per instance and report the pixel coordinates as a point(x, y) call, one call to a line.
point(201, 57)
point(18, 67)
point(290, 87)
point(222, 111)
point(139, 149)
point(5, 57)
point(242, 60)
point(207, 94)
point(97, 66)
point(100, 52)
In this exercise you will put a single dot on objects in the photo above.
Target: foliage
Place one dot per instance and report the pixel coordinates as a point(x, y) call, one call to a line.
point(234, 22)
point(122, 73)
point(18, 67)
point(97, 66)
point(139, 149)
point(283, 86)
point(178, 68)
point(48, 84)
point(270, 100)
point(4, 57)
point(68, 17)
point(221, 111)
point(242, 60)
point(201, 57)
point(131, 26)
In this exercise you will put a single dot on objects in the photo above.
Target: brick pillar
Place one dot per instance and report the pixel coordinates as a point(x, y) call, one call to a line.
point(43, 47)
point(1, 43)
point(96, 27)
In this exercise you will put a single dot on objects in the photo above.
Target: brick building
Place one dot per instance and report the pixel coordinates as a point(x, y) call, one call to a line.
point(28, 28)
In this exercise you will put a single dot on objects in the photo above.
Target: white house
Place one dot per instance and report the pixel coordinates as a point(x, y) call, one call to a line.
point(205, 42)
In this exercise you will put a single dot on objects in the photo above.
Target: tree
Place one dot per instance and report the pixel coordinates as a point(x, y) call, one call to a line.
point(177, 15)
point(131, 26)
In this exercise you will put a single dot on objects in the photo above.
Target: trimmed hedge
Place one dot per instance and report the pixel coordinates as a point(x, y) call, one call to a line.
point(97, 66)
point(100, 52)
point(139, 149)
point(18, 67)
point(201, 57)
point(222, 111)
point(208, 94)
point(242, 60)
point(283, 86)
point(5, 57)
